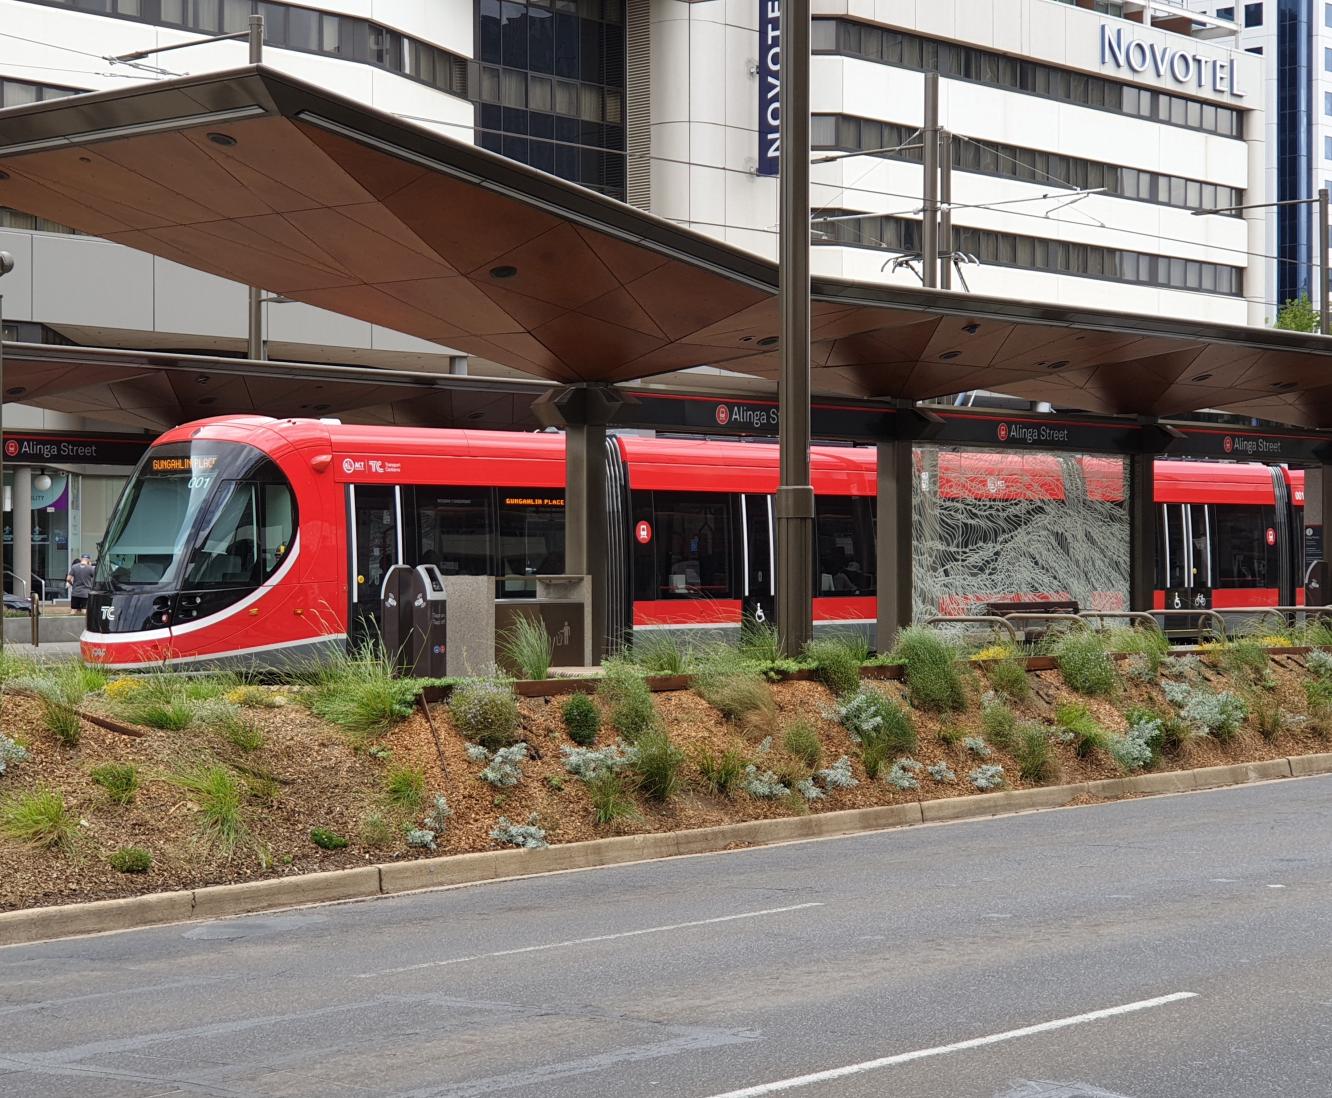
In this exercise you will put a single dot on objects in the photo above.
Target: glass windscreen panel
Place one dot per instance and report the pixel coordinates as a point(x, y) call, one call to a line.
point(151, 529)
point(249, 534)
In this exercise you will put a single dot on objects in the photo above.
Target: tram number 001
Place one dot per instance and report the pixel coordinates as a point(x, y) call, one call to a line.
point(196, 483)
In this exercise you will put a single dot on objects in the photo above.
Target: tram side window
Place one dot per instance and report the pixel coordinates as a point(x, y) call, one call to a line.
point(531, 532)
point(845, 561)
point(453, 530)
point(692, 543)
point(1243, 557)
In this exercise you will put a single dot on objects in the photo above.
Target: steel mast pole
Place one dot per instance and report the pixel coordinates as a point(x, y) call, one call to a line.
point(1324, 284)
point(795, 495)
point(946, 211)
point(255, 343)
point(929, 220)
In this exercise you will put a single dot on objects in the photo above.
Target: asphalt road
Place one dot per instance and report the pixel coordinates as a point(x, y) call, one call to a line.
point(1159, 948)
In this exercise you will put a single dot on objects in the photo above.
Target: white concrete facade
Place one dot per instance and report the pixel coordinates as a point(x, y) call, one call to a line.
point(704, 117)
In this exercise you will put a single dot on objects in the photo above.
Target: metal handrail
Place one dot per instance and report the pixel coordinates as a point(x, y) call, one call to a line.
point(1131, 615)
point(1034, 615)
point(986, 619)
point(1197, 613)
point(1280, 612)
point(17, 579)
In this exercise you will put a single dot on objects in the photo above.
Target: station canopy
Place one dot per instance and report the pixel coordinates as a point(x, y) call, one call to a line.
point(258, 177)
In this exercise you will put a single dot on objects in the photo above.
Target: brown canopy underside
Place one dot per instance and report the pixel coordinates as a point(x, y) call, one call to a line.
point(257, 177)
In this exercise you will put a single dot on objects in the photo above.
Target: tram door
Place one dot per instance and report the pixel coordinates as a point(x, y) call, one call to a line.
point(758, 588)
point(376, 546)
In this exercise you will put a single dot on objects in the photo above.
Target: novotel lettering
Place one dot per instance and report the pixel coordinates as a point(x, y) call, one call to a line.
point(770, 87)
point(1166, 62)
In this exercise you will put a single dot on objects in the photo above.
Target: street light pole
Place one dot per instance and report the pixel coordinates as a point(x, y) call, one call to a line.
point(1324, 285)
point(929, 221)
point(795, 494)
point(6, 265)
point(255, 344)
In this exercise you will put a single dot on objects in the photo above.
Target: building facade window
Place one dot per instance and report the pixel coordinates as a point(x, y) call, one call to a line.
point(16, 93)
point(552, 87)
point(1105, 7)
point(995, 249)
point(848, 133)
point(1253, 15)
point(1225, 13)
point(843, 38)
point(289, 27)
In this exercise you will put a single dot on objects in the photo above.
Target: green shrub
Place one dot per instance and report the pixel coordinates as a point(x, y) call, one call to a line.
point(120, 780)
point(1035, 756)
point(802, 741)
point(721, 770)
point(486, 711)
point(611, 799)
point(658, 763)
point(933, 680)
point(362, 696)
point(131, 859)
point(219, 796)
point(760, 642)
point(376, 831)
point(326, 839)
point(999, 724)
point(1085, 664)
point(39, 818)
point(1147, 644)
point(625, 693)
point(405, 787)
point(663, 653)
point(1244, 658)
point(528, 647)
point(582, 720)
point(1009, 678)
point(736, 691)
point(838, 660)
point(1087, 734)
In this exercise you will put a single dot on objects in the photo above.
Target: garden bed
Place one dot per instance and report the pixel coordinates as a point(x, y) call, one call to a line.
point(293, 775)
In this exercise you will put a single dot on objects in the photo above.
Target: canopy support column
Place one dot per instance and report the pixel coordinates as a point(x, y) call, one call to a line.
point(21, 524)
point(1142, 530)
point(583, 412)
point(893, 564)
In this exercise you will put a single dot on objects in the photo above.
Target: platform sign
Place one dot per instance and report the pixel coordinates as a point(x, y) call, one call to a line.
point(1188, 598)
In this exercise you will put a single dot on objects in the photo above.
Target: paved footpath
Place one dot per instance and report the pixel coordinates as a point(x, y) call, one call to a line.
point(1170, 947)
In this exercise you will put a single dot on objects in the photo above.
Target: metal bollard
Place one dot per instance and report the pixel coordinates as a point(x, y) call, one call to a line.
point(36, 605)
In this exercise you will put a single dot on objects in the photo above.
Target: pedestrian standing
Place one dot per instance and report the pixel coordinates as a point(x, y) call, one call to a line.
point(80, 580)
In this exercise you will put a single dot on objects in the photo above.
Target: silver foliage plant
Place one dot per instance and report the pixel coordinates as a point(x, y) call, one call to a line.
point(807, 789)
point(967, 549)
point(1320, 663)
point(763, 783)
point(477, 754)
point(977, 747)
point(1218, 713)
point(941, 772)
point(422, 837)
point(11, 751)
point(529, 836)
point(589, 763)
point(505, 770)
point(987, 777)
point(838, 776)
point(903, 774)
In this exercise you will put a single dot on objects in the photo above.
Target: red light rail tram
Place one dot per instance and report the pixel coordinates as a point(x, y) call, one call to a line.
point(260, 541)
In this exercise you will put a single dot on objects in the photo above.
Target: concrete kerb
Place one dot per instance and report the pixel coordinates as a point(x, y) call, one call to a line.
point(364, 882)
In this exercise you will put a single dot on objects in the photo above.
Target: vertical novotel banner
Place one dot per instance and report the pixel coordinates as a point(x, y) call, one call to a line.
point(770, 86)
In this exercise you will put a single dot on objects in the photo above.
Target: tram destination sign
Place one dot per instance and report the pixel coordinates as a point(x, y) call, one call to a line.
point(38, 449)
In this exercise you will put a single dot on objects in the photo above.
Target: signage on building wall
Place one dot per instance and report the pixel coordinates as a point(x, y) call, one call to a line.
point(770, 86)
point(35, 449)
point(1188, 71)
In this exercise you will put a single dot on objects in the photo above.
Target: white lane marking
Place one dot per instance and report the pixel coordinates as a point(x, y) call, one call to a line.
point(585, 941)
point(1276, 886)
point(960, 1046)
point(1222, 880)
